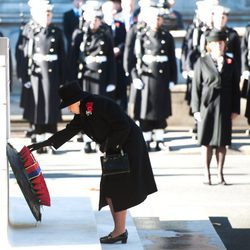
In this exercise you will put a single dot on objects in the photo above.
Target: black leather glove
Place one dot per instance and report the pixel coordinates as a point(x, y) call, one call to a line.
point(38, 145)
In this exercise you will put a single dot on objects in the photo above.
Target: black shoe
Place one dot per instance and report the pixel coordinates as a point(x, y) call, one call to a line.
point(110, 240)
point(88, 149)
point(157, 146)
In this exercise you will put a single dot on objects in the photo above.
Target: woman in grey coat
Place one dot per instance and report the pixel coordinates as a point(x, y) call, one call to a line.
point(108, 125)
point(215, 101)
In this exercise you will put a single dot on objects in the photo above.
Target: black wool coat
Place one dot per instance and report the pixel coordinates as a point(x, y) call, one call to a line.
point(216, 96)
point(108, 125)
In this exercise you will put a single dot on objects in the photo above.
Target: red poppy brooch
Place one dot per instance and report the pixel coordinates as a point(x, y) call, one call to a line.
point(89, 108)
point(229, 61)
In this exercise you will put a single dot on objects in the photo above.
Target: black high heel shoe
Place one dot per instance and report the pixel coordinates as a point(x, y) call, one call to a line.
point(110, 240)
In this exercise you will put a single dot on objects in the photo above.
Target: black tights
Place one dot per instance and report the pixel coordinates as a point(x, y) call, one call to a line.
point(207, 153)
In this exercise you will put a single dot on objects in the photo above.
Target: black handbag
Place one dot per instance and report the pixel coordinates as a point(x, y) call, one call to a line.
point(115, 164)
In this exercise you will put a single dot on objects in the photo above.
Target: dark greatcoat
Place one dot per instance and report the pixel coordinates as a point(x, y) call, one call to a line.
point(70, 23)
point(233, 45)
point(129, 61)
point(216, 96)
point(154, 103)
point(47, 76)
point(109, 125)
point(129, 58)
point(40, 102)
point(245, 57)
point(22, 60)
point(119, 36)
point(93, 77)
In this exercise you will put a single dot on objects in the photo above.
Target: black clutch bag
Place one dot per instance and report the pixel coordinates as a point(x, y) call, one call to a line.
point(115, 164)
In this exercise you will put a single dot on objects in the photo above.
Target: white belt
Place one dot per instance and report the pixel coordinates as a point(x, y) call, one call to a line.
point(150, 58)
point(48, 58)
point(97, 59)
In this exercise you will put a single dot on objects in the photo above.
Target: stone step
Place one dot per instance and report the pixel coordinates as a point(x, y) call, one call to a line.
point(71, 222)
point(68, 224)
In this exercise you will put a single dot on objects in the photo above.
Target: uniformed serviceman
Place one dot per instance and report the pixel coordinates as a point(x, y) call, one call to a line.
point(155, 70)
point(245, 49)
point(92, 57)
point(173, 18)
point(42, 44)
point(118, 31)
point(72, 19)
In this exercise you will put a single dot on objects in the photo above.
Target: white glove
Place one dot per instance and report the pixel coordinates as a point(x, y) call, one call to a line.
point(138, 84)
point(191, 74)
point(27, 85)
point(171, 85)
point(246, 74)
point(197, 116)
point(116, 51)
point(110, 88)
point(185, 74)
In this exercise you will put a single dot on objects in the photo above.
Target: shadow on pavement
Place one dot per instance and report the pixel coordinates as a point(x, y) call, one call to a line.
point(233, 239)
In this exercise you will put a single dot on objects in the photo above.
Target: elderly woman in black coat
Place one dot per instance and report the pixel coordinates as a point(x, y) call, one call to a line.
point(103, 120)
point(215, 101)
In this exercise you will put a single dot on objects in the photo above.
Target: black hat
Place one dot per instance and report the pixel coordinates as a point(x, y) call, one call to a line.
point(69, 94)
point(216, 35)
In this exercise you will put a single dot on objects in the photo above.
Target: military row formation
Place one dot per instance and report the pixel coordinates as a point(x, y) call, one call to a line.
point(117, 50)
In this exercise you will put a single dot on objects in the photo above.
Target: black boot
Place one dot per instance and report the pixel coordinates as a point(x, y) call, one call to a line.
point(148, 146)
point(160, 145)
point(157, 146)
point(87, 148)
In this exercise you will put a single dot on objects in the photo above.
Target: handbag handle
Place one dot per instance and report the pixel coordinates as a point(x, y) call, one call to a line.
point(105, 153)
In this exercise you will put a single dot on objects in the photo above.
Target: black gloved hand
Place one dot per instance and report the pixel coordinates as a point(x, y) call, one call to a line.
point(38, 145)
